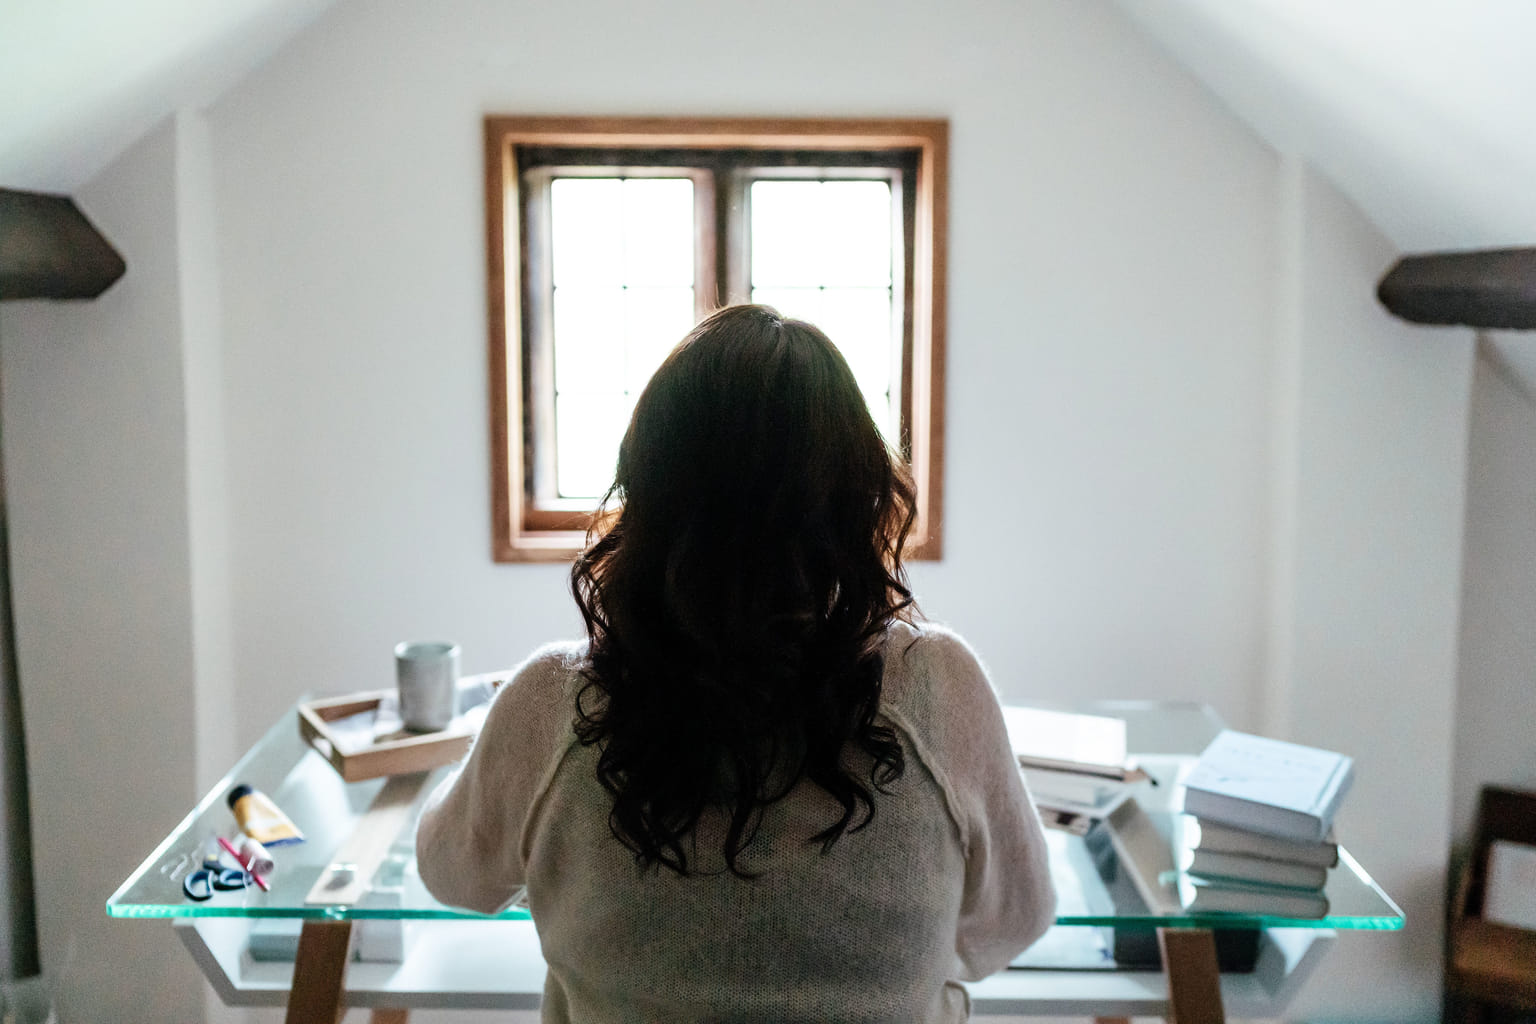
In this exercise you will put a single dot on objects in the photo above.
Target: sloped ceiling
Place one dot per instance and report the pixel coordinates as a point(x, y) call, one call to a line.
point(1423, 112)
point(81, 80)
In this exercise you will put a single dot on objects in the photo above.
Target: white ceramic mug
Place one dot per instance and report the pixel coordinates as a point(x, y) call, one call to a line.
point(427, 675)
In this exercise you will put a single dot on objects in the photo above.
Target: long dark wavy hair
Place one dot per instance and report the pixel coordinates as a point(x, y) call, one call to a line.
point(736, 596)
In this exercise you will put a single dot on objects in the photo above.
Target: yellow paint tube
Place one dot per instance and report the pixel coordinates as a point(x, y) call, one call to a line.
point(261, 819)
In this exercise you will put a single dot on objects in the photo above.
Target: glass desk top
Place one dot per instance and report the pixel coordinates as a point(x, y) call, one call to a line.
point(1092, 887)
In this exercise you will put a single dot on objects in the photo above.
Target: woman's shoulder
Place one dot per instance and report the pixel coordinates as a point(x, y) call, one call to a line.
point(925, 648)
point(543, 684)
point(552, 661)
point(933, 674)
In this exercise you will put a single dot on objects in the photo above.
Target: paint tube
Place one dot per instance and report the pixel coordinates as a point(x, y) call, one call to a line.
point(261, 819)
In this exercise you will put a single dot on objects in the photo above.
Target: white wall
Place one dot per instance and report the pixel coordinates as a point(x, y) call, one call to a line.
point(95, 462)
point(209, 521)
point(1157, 444)
point(1377, 490)
point(1107, 344)
point(1496, 700)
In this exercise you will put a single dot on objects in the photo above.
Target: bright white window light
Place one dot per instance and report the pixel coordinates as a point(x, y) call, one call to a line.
point(623, 296)
point(622, 266)
point(822, 252)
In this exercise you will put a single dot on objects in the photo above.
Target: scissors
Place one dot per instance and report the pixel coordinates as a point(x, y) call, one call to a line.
point(213, 877)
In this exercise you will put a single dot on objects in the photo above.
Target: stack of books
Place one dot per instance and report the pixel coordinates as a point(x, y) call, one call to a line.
point(1256, 836)
point(1076, 765)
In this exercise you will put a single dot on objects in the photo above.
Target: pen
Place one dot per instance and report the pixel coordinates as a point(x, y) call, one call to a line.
point(262, 882)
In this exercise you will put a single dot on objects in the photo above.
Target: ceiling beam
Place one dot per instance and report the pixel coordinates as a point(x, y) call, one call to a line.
point(48, 250)
point(1491, 288)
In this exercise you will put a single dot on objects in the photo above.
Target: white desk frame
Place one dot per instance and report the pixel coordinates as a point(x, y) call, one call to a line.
point(496, 965)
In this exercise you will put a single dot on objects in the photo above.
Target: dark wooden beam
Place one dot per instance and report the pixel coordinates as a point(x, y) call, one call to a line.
point(48, 250)
point(1490, 288)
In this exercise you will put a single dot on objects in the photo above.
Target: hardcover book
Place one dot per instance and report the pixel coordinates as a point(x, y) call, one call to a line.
point(1136, 948)
point(1267, 785)
point(1213, 835)
point(1088, 795)
point(1236, 866)
point(1205, 895)
point(1065, 741)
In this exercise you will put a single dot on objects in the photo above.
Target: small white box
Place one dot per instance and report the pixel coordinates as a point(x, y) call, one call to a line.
point(1509, 894)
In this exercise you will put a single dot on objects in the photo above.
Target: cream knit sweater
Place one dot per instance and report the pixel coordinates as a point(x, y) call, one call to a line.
point(948, 882)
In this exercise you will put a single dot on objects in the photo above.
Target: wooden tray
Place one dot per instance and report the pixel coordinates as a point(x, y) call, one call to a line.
point(397, 753)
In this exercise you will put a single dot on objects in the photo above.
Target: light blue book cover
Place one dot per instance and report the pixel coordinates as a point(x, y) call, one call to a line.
point(1268, 785)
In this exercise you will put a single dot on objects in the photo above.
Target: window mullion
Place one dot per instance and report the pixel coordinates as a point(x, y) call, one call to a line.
point(735, 232)
point(707, 245)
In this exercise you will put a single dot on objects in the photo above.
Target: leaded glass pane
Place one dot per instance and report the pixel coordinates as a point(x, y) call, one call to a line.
point(855, 242)
point(859, 320)
point(589, 338)
point(623, 296)
point(586, 218)
point(658, 231)
point(821, 233)
point(786, 233)
point(655, 320)
point(588, 428)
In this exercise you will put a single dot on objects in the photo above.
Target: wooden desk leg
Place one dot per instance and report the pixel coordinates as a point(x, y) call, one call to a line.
point(1194, 980)
point(318, 970)
point(389, 1015)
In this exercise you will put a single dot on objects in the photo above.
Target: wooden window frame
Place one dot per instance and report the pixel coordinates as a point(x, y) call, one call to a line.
point(524, 532)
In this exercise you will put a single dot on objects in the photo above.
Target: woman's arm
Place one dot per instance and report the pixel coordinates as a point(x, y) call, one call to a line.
point(470, 837)
point(1008, 899)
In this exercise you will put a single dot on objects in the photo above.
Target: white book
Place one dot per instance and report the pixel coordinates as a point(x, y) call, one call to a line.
point(1270, 786)
point(1201, 895)
point(1069, 791)
point(1065, 741)
point(1213, 835)
point(1083, 789)
point(1215, 864)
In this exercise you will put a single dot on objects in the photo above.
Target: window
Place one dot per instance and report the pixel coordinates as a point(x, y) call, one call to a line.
point(610, 238)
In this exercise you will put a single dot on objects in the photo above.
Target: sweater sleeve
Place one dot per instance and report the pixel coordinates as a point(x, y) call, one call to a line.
point(1008, 899)
point(469, 842)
